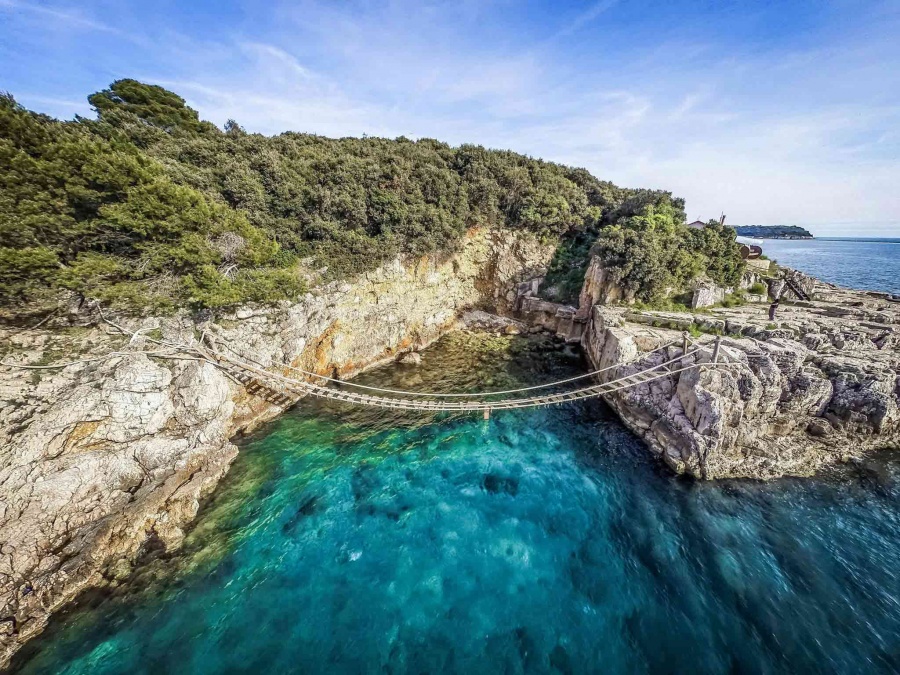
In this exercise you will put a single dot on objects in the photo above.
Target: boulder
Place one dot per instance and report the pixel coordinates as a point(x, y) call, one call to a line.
point(600, 289)
point(480, 320)
point(707, 295)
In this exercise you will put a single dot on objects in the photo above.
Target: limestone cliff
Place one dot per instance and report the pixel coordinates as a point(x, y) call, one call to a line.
point(819, 385)
point(791, 400)
point(109, 455)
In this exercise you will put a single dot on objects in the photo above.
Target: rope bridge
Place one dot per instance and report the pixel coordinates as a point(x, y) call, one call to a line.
point(287, 388)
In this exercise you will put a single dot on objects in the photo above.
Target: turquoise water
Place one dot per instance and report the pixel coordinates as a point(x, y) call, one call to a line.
point(870, 264)
point(347, 540)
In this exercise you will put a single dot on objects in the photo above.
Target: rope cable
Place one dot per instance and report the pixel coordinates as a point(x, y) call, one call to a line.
point(595, 390)
point(426, 394)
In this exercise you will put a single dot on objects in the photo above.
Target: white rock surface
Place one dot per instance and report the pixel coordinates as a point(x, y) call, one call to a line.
point(793, 399)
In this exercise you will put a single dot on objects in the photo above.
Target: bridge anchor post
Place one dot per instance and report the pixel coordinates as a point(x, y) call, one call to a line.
point(715, 355)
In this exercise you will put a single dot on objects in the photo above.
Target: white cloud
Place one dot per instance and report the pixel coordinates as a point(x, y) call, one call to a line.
point(267, 55)
point(69, 18)
point(797, 130)
point(585, 18)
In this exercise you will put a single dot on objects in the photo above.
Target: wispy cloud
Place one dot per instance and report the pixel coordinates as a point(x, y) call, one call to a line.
point(71, 18)
point(585, 18)
point(768, 121)
point(267, 54)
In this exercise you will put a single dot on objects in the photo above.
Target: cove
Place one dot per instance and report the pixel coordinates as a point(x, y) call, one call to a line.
point(348, 540)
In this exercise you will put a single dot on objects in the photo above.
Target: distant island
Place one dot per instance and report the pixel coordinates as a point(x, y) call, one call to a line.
point(773, 231)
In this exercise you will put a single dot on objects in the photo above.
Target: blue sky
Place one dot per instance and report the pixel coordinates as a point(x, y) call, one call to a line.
point(773, 112)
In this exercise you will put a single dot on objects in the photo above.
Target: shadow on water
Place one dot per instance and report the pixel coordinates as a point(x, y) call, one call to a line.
point(355, 540)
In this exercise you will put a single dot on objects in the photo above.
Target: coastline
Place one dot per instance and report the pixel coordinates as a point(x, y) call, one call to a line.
point(816, 390)
point(866, 265)
point(114, 452)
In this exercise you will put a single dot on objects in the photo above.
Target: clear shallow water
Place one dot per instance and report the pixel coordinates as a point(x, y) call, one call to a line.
point(856, 263)
point(347, 540)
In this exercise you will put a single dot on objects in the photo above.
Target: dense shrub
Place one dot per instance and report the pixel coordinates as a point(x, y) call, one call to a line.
point(655, 255)
point(147, 206)
point(92, 213)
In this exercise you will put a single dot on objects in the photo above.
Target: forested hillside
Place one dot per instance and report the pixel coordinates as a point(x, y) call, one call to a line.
point(148, 208)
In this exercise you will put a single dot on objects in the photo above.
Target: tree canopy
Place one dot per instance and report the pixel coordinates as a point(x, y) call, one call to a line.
point(654, 255)
point(149, 102)
point(149, 207)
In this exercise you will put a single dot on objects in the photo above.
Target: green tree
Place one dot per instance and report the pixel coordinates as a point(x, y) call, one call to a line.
point(149, 102)
point(147, 206)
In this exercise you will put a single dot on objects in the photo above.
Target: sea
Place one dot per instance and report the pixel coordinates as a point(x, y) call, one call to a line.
point(868, 264)
point(357, 540)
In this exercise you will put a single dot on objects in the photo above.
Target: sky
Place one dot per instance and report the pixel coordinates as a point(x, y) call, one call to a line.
point(773, 112)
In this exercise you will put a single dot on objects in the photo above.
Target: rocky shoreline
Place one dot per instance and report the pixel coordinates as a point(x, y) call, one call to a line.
point(112, 454)
point(817, 386)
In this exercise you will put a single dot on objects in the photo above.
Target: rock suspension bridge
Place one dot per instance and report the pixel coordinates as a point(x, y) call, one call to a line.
point(287, 389)
point(284, 389)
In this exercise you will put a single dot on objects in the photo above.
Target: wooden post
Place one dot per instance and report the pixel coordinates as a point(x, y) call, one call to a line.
point(487, 413)
point(715, 356)
point(684, 343)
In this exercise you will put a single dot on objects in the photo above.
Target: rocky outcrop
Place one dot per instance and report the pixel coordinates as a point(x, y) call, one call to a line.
point(480, 320)
point(707, 295)
point(780, 288)
point(793, 400)
point(115, 453)
point(600, 289)
point(552, 317)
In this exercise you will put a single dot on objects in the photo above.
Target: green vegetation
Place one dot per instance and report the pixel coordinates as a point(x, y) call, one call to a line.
point(84, 208)
point(653, 254)
point(735, 299)
point(149, 208)
point(614, 207)
point(680, 303)
point(759, 288)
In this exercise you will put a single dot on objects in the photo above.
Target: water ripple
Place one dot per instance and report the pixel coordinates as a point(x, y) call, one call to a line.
point(358, 541)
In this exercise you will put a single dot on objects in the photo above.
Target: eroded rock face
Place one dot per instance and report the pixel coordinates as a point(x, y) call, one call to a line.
point(707, 295)
point(102, 456)
point(778, 408)
point(600, 289)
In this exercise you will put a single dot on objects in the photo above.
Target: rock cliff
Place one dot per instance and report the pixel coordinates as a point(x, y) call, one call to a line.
point(108, 456)
point(819, 387)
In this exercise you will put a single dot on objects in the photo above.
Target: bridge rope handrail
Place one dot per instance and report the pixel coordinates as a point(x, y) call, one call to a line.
point(586, 392)
point(292, 385)
point(426, 394)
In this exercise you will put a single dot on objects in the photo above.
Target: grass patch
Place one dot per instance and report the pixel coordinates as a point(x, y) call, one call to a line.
point(667, 305)
point(759, 288)
point(733, 300)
